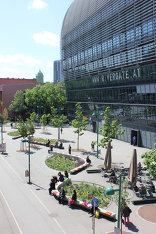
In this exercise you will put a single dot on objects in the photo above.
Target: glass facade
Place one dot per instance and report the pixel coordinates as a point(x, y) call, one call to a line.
point(109, 58)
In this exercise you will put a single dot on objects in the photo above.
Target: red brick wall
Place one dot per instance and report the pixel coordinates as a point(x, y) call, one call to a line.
point(8, 92)
point(7, 81)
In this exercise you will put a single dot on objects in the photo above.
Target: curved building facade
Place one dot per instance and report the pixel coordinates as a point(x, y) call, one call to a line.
point(108, 50)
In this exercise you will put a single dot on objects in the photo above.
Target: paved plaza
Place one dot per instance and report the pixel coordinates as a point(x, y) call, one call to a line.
point(28, 209)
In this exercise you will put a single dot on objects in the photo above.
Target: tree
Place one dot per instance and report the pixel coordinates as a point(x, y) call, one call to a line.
point(79, 123)
point(5, 114)
point(45, 96)
point(150, 161)
point(23, 129)
point(57, 120)
point(17, 106)
point(44, 120)
point(110, 129)
point(33, 117)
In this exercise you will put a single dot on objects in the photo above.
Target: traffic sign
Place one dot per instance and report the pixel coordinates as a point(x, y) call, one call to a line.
point(95, 202)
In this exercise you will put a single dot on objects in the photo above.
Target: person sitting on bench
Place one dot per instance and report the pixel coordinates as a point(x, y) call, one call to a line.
point(48, 143)
point(52, 186)
point(88, 160)
point(62, 195)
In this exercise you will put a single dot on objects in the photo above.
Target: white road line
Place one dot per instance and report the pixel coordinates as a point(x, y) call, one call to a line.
point(48, 211)
point(36, 197)
point(11, 212)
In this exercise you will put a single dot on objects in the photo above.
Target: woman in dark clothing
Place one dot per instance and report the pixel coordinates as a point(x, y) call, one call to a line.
point(60, 177)
point(62, 195)
point(73, 198)
point(52, 186)
point(66, 174)
point(126, 214)
point(74, 195)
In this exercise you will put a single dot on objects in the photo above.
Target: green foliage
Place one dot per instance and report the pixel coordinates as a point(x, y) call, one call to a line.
point(86, 192)
point(1, 119)
point(23, 129)
point(57, 121)
point(44, 119)
point(30, 127)
point(17, 106)
point(46, 96)
point(14, 133)
point(150, 161)
point(5, 115)
point(61, 163)
point(33, 117)
point(79, 123)
point(42, 140)
point(110, 129)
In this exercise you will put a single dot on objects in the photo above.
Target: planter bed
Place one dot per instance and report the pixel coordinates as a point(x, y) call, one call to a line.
point(103, 212)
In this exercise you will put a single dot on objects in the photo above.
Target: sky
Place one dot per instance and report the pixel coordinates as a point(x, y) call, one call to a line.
point(30, 37)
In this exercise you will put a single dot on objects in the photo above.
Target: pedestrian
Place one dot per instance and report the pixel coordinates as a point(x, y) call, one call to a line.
point(134, 140)
point(52, 186)
point(66, 174)
point(61, 130)
point(92, 145)
point(88, 160)
point(69, 149)
point(62, 195)
point(126, 213)
point(73, 198)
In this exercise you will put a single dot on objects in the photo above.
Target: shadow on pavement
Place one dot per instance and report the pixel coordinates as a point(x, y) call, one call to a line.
point(38, 187)
point(132, 227)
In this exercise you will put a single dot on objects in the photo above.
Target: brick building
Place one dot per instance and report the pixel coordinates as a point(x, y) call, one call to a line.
point(9, 86)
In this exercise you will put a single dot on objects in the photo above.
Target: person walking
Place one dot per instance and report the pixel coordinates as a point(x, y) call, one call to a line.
point(134, 140)
point(126, 213)
point(69, 149)
point(61, 130)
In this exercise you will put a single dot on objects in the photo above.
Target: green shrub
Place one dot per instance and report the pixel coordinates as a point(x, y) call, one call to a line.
point(14, 133)
point(88, 192)
point(61, 163)
point(42, 140)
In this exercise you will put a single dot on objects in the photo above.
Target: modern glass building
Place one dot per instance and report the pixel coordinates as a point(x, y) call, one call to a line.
point(108, 50)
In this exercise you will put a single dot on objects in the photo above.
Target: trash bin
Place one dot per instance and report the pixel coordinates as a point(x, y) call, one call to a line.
point(26, 173)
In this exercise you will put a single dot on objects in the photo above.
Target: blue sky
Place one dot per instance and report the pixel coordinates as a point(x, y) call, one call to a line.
point(30, 37)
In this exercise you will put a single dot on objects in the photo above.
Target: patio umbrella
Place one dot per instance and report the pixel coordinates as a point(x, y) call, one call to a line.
point(132, 174)
point(108, 158)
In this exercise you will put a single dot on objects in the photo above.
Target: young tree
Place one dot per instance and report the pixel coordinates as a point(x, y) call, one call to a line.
point(33, 117)
point(79, 123)
point(150, 161)
point(110, 129)
point(44, 120)
point(57, 120)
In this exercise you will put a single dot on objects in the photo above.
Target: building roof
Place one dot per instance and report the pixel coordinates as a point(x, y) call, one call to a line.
point(79, 11)
point(8, 81)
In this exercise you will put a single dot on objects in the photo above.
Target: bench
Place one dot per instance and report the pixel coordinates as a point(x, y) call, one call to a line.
point(81, 204)
point(93, 170)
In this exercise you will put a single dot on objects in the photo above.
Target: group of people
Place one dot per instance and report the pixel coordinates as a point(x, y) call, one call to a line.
point(56, 179)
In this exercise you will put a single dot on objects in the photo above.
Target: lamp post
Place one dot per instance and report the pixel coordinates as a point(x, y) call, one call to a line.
point(59, 113)
point(111, 191)
point(96, 114)
point(24, 140)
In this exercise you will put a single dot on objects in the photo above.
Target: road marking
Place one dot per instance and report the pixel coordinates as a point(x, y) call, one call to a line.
point(48, 211)
point(36, 197)
point(11, 212)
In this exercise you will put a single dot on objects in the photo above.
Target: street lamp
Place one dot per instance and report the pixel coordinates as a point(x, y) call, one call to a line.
point(24, 140)
point(59, 113)
point(111, 191)
point(96, 114)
